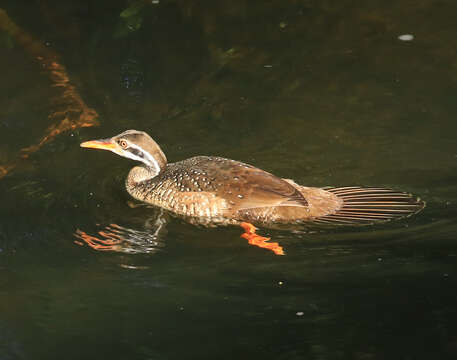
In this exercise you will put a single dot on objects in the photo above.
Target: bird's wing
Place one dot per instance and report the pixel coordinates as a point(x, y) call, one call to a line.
point(245, 187)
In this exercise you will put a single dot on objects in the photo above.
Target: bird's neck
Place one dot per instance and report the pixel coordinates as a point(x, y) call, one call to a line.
point(139, 174)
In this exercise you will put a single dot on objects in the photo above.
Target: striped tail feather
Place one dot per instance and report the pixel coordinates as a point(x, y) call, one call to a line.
point(371, 205)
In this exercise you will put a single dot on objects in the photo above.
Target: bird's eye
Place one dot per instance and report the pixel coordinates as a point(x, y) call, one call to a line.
point(123, 144)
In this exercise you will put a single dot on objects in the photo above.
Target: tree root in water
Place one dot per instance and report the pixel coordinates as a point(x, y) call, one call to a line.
point(75, 113)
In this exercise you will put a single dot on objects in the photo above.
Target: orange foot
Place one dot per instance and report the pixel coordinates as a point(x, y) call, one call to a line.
point(260, 241)
point(112, 242)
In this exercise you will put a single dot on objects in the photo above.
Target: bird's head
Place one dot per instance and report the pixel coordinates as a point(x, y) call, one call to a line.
point(135, 145)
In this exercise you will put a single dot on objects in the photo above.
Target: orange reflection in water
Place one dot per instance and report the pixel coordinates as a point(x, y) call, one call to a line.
point(260, 241)
point(73, 112)
point(111, 239)
point(121, 239)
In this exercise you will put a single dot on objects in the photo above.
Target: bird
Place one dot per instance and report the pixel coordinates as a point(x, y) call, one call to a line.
point(213, 191)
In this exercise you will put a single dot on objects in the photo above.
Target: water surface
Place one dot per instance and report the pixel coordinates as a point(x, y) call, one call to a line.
point(321, 92)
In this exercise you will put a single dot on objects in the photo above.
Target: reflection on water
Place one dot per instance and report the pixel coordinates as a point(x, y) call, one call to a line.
point(321, 92)
point(118, 238)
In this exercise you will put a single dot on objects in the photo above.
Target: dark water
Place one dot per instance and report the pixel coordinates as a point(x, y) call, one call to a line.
point(323, 92)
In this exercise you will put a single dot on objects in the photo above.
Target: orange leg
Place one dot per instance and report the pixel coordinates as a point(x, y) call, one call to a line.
point(260, 241)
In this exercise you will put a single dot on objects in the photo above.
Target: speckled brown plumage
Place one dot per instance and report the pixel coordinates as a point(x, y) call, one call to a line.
point(217, 191)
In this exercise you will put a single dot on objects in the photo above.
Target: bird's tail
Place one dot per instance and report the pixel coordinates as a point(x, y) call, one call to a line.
point(370, 205)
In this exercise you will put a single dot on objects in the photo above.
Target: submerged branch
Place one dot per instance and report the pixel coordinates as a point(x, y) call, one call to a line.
point(74, 113)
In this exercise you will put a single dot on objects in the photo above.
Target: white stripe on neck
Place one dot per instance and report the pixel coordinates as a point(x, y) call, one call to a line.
point(151, 160)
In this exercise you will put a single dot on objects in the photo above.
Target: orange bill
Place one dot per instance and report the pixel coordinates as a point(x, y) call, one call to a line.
point(104, 144)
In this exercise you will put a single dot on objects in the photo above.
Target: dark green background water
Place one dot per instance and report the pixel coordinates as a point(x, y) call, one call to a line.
point(323, 92)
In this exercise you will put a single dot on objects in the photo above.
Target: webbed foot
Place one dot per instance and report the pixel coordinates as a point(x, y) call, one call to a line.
point(260, 241)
